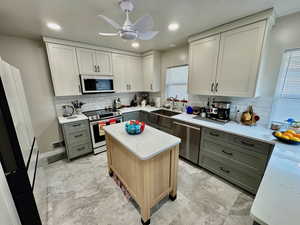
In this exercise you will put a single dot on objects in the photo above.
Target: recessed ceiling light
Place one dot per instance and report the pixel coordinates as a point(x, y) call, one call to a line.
point(54, 26)
point(135, 45)
point(173, 26)
point(172, 45)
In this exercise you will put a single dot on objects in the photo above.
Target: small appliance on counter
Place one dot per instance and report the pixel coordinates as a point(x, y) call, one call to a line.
point(134, 101)
point(223, 110)
point(77, 106)
point(117, 104)
point(68, 110)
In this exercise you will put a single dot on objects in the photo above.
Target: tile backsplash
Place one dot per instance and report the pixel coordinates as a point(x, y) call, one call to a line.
point(261, 105)
point(94, 101)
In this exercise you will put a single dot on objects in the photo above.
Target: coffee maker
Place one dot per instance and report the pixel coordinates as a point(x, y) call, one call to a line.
point(223, 111)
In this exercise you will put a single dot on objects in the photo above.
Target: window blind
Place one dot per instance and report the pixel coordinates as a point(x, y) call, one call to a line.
point(176, 82)
point(291, 84)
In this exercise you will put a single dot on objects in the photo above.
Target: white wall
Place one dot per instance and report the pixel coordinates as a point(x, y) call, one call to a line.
point(30, 57)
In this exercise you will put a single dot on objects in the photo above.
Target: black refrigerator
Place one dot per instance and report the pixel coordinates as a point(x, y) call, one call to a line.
point(14, 166)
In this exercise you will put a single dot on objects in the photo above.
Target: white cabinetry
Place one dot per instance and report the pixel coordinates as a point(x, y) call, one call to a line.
point(64, 69)
point(228, 63)
point(203, 65)
point(239, 60)
point(127, 72)
point(93, 62)
point(151, 72)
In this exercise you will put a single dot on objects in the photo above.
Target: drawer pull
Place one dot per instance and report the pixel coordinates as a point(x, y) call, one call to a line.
point(80, 149)
point(214, 134)
point(227, 153)
point(77, 136)
point(76, 125)
point(224, 170)
point(247, 144)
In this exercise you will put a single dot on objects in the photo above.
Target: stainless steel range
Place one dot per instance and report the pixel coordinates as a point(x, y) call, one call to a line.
point(98, 119)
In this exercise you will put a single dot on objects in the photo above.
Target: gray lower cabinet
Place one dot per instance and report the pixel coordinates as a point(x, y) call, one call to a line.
point(190, 140)
point(77, 138)
point(240, 160)
point(131, 116)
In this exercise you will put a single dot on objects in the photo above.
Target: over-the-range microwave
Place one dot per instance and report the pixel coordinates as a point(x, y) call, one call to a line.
point(96, 84)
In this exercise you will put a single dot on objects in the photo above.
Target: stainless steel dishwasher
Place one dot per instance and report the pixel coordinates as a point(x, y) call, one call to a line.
point(190, 141)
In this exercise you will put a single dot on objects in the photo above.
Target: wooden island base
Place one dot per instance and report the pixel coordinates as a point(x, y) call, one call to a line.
point(148, 181)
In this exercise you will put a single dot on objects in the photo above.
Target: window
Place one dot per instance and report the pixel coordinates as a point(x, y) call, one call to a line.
point(286, 102)
point(176, 82)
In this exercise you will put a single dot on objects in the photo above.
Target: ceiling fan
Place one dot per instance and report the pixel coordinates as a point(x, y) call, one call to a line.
point(141, 29)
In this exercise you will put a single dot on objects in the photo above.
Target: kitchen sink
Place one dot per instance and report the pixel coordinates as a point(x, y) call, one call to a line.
point(165, 112)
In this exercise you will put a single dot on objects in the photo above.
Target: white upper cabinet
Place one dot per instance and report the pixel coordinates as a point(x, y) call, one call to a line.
point(64, 69)
point(127, 72)
point(86, 61)
point(151, 72)
point(135, 73)
point(239, 60)
point(119, 67)
point(103, 61)
point(228, 63)
point(93, 62)
point(203, 57)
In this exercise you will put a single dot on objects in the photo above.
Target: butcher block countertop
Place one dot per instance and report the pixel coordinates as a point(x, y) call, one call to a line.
point(145, 145)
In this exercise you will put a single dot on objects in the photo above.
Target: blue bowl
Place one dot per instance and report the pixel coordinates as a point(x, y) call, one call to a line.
point(133, 129)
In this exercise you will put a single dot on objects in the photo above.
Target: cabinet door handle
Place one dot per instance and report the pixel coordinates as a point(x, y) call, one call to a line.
point(224, 170)
point(95, 68)
point(212, 87)
point(151, 86)
point(214, 134)
point(247, 144)
point(79, 135)
point(227, 153)
point(217, 84)
point(76, 125)
point(185, 125)
point(98, 68)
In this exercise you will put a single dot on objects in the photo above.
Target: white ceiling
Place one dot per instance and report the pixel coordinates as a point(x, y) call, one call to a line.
point(28, 18)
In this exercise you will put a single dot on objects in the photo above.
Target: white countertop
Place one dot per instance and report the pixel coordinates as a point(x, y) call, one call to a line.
point(277, 201)
point(256, 132)
point(138, 108)
point(74, 118)
point(145, 145)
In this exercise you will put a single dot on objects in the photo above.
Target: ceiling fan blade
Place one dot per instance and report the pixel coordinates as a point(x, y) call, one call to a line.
point(111, 22)
point(144, 23)
point(108, 34)
point(148, 35)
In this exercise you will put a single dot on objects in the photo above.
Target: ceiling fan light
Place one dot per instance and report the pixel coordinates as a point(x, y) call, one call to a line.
point(129, 35)
point(135, 45)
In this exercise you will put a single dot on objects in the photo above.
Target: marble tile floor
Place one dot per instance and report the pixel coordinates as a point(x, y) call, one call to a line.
point(81, 193)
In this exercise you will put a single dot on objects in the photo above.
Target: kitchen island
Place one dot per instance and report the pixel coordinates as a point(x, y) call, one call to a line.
point(146, 164)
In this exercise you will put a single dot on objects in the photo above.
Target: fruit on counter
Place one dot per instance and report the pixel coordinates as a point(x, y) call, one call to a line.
point(295, 139)
point(285, 137)
point(291, 131)
point(288, 135)
point(278, 134)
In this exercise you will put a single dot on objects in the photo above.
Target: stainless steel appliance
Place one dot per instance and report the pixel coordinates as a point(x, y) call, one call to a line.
point(190, 140)
point(96, 84)
point(98, 119)
point(223, 110)
point(218, 111)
